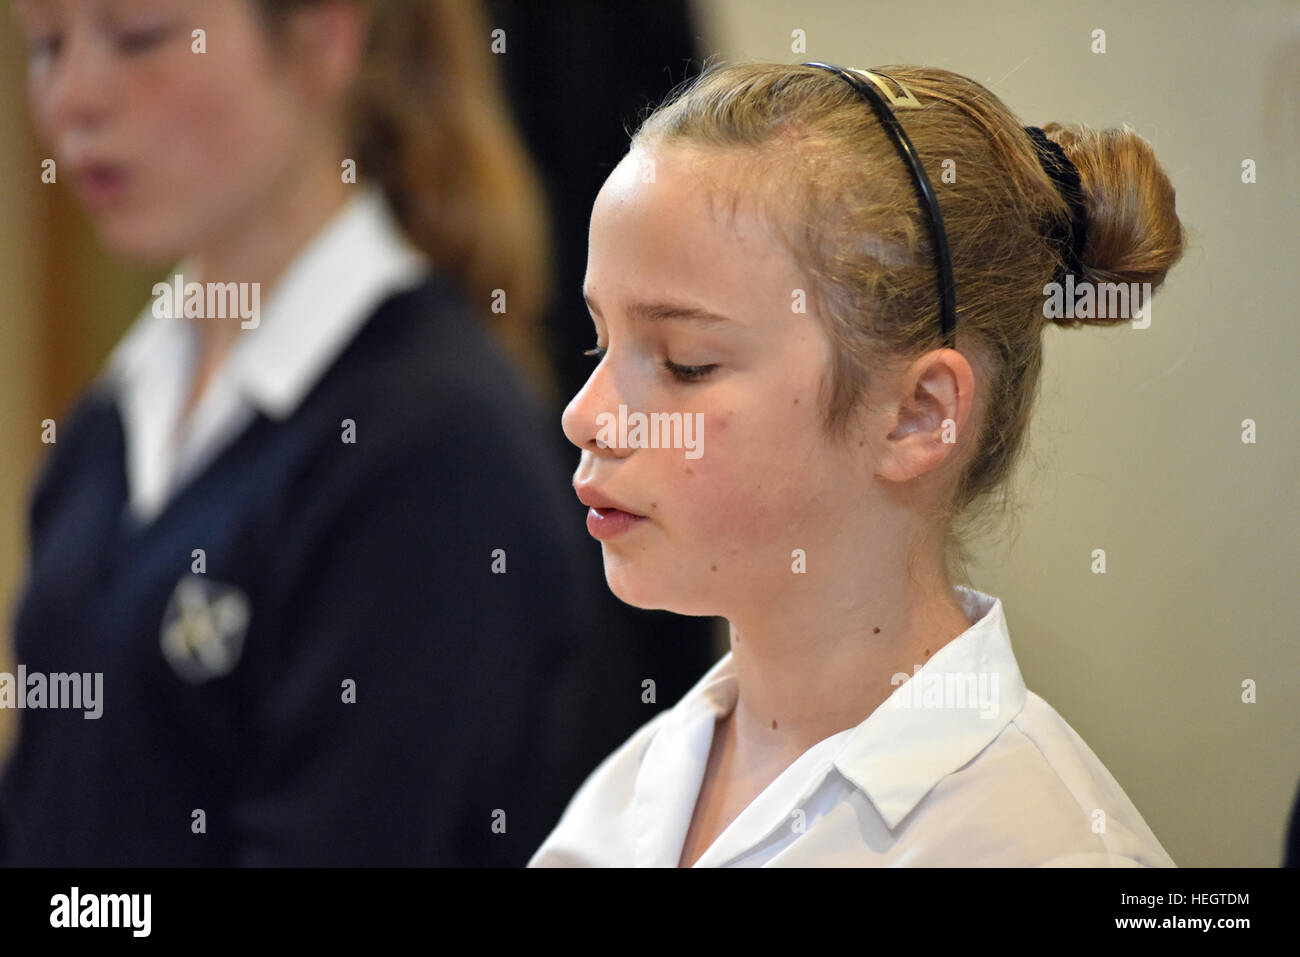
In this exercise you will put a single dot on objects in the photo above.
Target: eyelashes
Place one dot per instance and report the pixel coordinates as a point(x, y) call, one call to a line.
point(128, 42)
point(681, 373)
point(140, 41)
point(687, 373)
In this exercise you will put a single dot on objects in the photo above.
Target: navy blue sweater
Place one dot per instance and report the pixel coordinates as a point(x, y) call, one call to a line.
point(369, 562)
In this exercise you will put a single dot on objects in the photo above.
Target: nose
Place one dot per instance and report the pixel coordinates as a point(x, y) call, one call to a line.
point(73, 91)
point(590, 419)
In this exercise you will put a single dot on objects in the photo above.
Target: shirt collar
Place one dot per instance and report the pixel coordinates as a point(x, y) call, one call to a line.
point(940, 717)
point(934, 722)
point(357, 260)
point(322, 300)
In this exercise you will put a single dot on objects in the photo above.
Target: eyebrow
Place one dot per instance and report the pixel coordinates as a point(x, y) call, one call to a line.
point(660, 311)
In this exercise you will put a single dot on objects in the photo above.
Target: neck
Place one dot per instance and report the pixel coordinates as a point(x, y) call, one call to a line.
point(821, 660)
point(259, 250)
point(262, 247)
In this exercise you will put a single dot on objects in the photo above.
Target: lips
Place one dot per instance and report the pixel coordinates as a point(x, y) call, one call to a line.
point(100, 182)
point(606, 518)
point(592, 497)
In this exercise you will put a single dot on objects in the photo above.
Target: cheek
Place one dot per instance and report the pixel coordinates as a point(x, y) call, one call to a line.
point(214, 135)
point(758, 473)
point(221, 134)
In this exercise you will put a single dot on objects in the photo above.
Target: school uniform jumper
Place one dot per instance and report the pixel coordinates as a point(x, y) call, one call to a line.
point(372, 659)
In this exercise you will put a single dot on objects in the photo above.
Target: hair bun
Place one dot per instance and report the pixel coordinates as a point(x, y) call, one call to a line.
point(1134, 234)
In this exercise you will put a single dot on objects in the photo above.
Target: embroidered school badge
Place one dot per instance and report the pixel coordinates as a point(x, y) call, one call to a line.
point(203, 628)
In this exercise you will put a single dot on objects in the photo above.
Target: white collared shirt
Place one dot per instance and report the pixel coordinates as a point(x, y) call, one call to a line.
point(960, 766)
point(358, 259)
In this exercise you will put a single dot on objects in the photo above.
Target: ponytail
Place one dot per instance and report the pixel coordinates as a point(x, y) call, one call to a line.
point(429, 123)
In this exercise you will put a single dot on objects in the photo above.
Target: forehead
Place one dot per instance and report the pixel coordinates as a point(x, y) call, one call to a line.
point(682, 214)
point(672, 180)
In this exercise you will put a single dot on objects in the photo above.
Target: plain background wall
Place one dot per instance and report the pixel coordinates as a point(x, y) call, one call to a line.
point(1136, 443)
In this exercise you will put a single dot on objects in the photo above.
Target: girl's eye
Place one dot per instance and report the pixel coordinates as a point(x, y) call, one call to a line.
point(679, 372)
point(687, 373)
point(138, 41)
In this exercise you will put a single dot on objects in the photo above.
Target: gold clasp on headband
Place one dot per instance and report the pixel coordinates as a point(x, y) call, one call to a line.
point(905, 100)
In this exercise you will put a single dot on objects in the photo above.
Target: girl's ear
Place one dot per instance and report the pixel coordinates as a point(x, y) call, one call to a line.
point(934, 404)
point(326, 46)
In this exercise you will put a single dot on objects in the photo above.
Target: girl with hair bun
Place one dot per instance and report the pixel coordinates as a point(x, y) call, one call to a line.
point(765, 260)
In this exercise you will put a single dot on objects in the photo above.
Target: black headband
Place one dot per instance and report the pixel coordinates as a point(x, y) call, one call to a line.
point(1070, 235)
point(868, 84)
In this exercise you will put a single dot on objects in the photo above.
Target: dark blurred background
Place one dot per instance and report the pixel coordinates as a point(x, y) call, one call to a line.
point(578, 83)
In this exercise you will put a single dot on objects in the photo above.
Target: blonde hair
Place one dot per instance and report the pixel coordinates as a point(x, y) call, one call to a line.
point(429, 122)
point(844, 203)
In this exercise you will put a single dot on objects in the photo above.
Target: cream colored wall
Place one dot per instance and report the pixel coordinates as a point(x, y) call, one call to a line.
point(1136, 446)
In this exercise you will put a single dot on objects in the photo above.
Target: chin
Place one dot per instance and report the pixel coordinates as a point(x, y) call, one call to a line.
point(663, 592)
point(629, 587)
point(138, 241)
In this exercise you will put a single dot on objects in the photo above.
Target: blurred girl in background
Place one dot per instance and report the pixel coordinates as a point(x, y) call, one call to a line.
point(316, 554)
